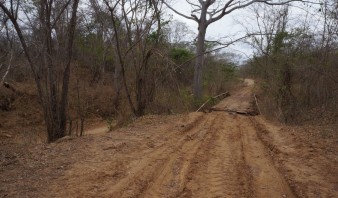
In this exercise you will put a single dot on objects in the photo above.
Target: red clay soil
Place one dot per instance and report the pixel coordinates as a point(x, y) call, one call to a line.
point(216, 154)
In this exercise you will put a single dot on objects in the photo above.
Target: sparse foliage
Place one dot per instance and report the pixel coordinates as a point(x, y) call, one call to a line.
point(48, 52)
point(296, 64)
point(207, 12)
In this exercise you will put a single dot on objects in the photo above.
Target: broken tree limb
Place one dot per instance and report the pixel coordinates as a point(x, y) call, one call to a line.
point(203, 105)
point(8, 68)
point(223, 95)
point(259, 111)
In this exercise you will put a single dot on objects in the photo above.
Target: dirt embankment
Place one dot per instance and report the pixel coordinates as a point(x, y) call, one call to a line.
point(224, 153)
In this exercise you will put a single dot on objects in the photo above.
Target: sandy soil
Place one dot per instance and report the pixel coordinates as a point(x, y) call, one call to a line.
point(224, 153)
point(241, 102)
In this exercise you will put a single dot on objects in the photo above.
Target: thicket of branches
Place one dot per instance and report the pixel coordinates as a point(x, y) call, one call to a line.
point(297, 64)
point(71, 48)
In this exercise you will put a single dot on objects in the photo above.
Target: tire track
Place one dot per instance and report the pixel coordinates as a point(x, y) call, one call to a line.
point(170, 181)
point(203, 155)
point(221, 169)
point(155, 166)
point(267, 181)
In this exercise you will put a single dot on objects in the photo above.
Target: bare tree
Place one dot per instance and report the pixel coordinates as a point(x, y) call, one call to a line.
point(99, 33)
point(284, 57)
point(134, 24)
point(207, 12)
point(178, 32)
point(6, 59)
point(53, 18)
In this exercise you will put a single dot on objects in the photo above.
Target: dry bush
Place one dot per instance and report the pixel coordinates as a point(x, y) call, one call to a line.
point(170, 100)
point(7, 98)
point(313, 92)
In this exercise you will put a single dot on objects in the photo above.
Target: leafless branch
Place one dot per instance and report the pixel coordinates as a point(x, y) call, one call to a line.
point(193, 4)
point(194, 18)
point(60, 13)
point(225, 10)
point(8, 67)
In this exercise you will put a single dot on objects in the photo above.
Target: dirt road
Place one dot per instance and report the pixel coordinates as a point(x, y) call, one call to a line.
point(218, 154)
point(206, 155)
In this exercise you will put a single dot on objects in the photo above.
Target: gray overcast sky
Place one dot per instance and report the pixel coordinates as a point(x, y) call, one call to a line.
point(227, 27)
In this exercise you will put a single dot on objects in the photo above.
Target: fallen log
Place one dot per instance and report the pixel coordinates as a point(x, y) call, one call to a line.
point(259, 111)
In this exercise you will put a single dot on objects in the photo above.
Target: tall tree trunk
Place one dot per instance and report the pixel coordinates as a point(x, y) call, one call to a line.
point(66, 73)
point(142, 91)
point(117, 83)
point(200, 49)
point(197, 86)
